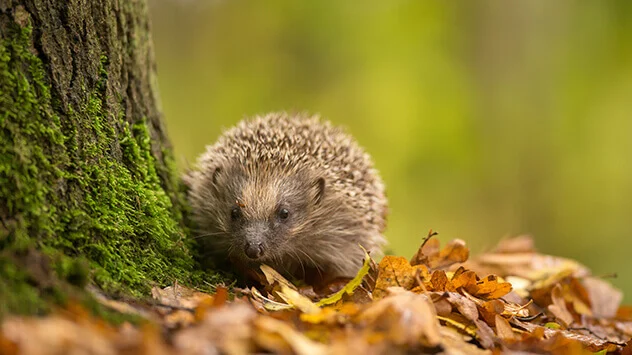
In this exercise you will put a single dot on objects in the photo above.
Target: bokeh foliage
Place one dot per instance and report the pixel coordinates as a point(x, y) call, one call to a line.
point(486, 119)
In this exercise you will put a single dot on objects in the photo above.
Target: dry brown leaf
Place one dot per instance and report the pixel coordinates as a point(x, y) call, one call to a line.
point(464, 305)
point(604, 298)
point(396, 271)
point(558, 338)
point(516, 257)
point(178, 296)
point(408, 318)
point(430, 255)
point(429, 247)
point(227, 329)
point(484, 334)
point(442, 306)
point(575, 294)
point(454, 252)
point(55, 335)
point(456, 343)
point(469, 311)
point(558, 308)
point(444, 312)
point(490, 309)
point(572, 292)
point(503, 329)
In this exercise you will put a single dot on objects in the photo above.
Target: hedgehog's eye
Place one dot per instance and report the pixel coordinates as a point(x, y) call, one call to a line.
point(235, 213)
point(284, 213)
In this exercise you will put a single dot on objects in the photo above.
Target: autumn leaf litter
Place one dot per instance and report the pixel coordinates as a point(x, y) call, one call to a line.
point(509, 300)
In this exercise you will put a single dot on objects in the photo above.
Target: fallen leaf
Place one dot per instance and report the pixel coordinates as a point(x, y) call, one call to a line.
point(338, 314)
point(465, 306)
point(351, 286)
point(489, 310)
point(552, 338)
point(431, 256)
point(407, 317)
point(273, 277)
point(516, 257)
point(455, 343)
point(491, 288)
point(267, 328)
point(555, 308)
point(178, 296)
point(298, 301)
point(558, 308)
point(463, 278)
point(439, 282)
point(267, 303)
point(429, 247)
point(396, 271)
point(484, 334)
point(604, 298)
point(461, 324)
point(454, 252)
point(54, 335)
point(227, 330)
point(503, 329)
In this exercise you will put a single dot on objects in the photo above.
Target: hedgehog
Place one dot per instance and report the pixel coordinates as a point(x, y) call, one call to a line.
point(290, 191)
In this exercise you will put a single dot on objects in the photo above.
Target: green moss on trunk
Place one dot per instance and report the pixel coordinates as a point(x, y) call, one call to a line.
point(86, 191)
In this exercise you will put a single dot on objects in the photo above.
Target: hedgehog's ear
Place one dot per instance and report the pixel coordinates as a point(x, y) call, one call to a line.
point(319, 186)
point(215, 175)
point(214, 180)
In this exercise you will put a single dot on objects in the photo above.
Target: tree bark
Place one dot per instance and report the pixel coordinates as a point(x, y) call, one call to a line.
point(88, 190)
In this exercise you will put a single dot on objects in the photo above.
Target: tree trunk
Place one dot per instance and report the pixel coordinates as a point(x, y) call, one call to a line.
point(88, 190)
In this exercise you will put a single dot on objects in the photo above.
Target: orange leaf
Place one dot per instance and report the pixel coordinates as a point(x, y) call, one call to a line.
point(490, 288)
point(438, 280)
point(396, 271)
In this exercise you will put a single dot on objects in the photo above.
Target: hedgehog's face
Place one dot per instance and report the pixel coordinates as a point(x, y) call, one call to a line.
point(263, 212)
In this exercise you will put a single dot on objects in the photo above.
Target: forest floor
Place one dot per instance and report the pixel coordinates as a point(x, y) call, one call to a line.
point(511, 299)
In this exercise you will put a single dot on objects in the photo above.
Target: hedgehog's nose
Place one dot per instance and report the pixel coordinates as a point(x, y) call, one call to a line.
point(254, 250)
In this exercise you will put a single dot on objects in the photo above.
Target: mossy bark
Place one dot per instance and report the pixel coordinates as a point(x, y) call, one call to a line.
point(88, 190)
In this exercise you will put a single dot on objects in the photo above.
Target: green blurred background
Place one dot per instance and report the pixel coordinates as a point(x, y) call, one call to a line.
point(486, 119)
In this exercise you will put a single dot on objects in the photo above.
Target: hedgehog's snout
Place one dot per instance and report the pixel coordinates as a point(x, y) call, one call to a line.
point(254, 250)
point(255, 234)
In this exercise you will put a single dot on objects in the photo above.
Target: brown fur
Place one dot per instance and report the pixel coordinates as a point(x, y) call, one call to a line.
point(316, 172)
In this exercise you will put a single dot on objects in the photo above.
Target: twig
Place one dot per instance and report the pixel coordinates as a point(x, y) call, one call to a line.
point(431, 234)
